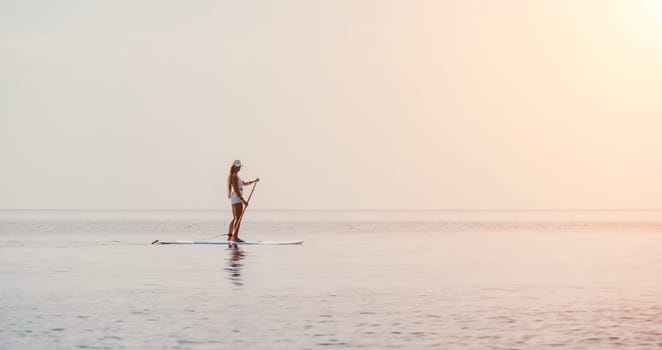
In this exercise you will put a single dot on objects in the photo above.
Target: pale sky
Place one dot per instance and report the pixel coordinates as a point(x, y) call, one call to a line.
point(347, 104)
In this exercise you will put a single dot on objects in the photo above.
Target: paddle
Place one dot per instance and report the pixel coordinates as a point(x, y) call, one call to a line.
point(236, 224)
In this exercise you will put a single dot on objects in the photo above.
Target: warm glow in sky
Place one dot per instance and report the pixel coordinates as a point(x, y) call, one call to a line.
point(335, 104)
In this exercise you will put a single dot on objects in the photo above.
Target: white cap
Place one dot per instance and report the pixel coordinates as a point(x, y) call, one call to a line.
point(237, 163)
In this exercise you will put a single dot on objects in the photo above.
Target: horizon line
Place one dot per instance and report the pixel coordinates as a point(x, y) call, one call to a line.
point(338, 209)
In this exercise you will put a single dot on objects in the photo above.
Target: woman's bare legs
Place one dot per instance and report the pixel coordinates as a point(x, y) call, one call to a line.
point(233, 229)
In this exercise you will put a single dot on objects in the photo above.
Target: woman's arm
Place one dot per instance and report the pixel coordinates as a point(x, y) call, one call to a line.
point(246, 183)
point(235, 186)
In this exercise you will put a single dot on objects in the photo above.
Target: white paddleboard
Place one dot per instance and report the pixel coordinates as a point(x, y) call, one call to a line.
point(229, 242)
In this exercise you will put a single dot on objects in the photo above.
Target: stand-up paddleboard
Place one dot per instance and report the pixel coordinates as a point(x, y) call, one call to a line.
point(229, 242)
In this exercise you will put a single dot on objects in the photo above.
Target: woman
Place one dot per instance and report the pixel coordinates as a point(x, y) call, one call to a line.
point(235, 193)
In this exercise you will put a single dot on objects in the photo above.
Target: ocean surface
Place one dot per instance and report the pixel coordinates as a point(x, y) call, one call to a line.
point(362, 279)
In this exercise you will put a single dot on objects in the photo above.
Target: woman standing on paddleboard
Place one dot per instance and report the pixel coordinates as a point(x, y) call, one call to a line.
point(235, 193)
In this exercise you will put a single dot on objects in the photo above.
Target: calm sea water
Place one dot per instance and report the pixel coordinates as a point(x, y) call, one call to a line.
point(373, 280)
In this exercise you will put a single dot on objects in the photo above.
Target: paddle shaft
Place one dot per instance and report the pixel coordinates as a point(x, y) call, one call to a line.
point(241, 216)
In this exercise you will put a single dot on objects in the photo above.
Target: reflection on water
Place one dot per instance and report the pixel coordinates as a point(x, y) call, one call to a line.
point(234, 264)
